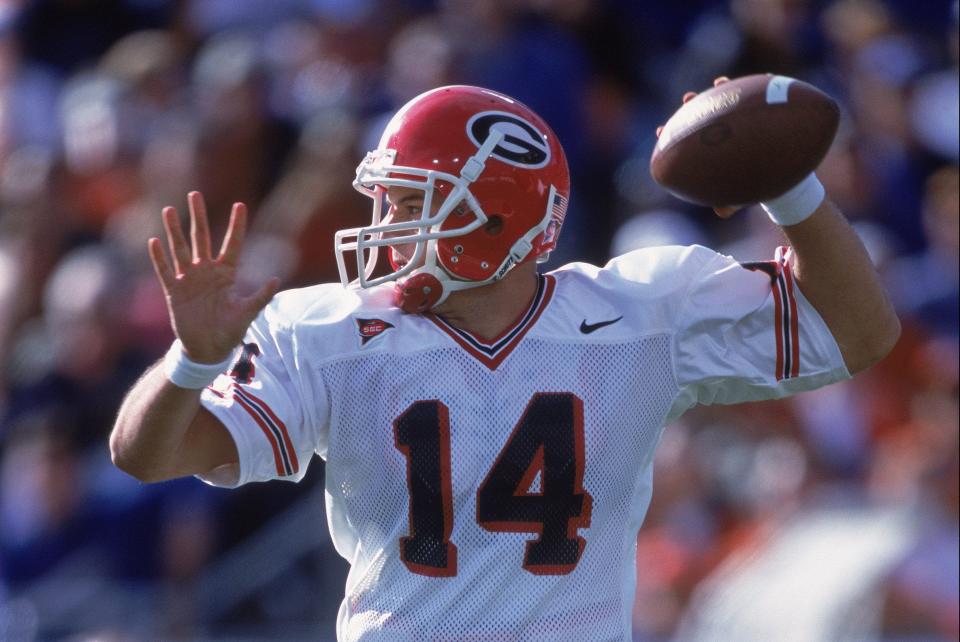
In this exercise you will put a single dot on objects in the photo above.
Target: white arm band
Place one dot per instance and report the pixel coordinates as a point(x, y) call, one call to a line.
point(186, 373)
point(796, 204)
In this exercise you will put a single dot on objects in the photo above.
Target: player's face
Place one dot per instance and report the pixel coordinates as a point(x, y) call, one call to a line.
point(405, 204)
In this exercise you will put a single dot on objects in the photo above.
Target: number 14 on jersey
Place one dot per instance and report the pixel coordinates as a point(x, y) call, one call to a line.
point(547, 440)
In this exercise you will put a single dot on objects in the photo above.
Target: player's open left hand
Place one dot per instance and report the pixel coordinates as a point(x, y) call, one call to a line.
point(208, 315)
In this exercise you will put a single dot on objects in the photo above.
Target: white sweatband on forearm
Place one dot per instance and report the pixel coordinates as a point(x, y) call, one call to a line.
point(796, 204)
point(186, 373)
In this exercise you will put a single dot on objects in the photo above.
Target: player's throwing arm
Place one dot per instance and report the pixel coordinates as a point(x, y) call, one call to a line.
point(758, 139)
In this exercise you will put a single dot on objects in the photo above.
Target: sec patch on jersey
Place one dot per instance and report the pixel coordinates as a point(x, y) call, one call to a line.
point(744, 141)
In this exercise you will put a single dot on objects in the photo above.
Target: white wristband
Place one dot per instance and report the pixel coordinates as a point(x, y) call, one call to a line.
point(796, 204)
point(186, 373)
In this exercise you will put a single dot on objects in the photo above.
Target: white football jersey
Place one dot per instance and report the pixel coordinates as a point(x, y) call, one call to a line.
point(492, 489)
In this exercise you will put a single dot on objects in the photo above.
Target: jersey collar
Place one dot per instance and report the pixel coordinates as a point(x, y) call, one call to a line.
point(492, 352)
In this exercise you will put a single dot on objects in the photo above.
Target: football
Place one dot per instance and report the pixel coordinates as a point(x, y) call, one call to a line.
point(746, 140)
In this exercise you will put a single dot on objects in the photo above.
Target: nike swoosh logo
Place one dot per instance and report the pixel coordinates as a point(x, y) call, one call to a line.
point(587, 328)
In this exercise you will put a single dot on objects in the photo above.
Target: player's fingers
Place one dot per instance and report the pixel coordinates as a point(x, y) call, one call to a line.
point(199, 228)
point(262, 296)
point(719, 80)
point(160, 265)
point(233, 239)
point(687, 97)
point(659, 131)
point(179, 249)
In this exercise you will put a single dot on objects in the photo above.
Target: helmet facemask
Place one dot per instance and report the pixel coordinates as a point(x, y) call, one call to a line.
point(375, 175)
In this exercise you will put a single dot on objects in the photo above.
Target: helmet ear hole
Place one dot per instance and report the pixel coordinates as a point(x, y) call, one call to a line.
point(494, 225)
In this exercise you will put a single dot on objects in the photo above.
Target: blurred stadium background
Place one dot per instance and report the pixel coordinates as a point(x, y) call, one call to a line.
point(832, 516)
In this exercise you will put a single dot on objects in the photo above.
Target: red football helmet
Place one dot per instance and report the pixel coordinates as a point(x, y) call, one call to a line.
point(495, 187)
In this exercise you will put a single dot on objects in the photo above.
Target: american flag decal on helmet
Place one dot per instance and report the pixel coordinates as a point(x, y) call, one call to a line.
point(559, 207)
point(558, 210)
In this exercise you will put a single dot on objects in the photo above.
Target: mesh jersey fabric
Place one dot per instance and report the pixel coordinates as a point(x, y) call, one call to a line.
point(627, 348)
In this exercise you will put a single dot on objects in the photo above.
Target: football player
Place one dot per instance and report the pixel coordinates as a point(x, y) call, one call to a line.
point(488, 429)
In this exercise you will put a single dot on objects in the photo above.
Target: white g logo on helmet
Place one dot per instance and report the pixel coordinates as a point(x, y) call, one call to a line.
point(523, 144)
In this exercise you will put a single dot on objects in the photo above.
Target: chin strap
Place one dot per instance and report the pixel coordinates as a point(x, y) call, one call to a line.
point(431, 285)
point(418, 294)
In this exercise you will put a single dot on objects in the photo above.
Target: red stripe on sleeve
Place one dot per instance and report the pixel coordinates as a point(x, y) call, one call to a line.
point(794, 324)
point(266, 431)
point(778, 323)
point(291, 451)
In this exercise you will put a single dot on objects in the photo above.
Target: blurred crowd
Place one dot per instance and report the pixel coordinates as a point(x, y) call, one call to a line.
point(832, 515)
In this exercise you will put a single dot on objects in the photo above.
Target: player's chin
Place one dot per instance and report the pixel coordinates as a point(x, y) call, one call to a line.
point(400, 255)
